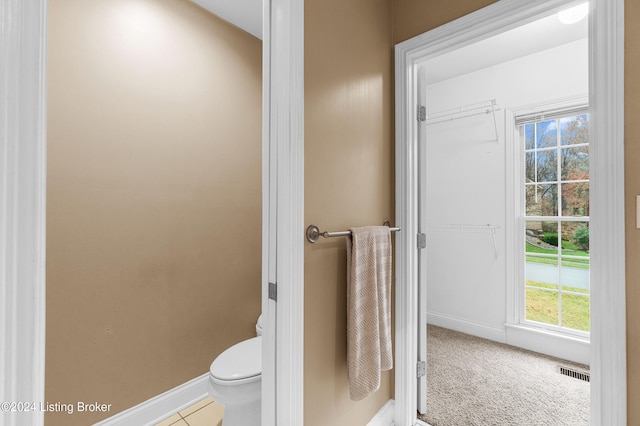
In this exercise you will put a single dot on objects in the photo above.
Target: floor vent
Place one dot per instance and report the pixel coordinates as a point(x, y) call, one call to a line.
point(581, 375)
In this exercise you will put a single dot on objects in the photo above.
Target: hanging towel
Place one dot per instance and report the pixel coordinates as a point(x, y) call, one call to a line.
point(368, 308)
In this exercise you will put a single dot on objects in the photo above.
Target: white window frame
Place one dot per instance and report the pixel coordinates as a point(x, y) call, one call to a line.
point(555, 109)
point(606, 99)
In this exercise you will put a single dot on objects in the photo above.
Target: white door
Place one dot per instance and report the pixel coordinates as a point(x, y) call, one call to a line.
point(283, 219)
point(422, 230)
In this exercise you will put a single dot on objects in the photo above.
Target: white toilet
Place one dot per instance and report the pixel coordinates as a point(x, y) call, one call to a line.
point(235, 381)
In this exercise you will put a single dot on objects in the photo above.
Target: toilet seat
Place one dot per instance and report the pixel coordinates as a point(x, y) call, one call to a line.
point(241, 363)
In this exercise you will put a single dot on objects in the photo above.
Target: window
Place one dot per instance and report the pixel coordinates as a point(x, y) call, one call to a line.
point(555, 191)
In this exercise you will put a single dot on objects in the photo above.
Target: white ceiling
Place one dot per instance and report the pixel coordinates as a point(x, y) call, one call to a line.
point(528, 39)
point(245, 14)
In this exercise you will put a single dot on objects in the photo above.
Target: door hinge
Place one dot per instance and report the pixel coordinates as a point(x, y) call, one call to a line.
point(421, 369)
point(422, 241)
point(422, 113)
point(273, 292)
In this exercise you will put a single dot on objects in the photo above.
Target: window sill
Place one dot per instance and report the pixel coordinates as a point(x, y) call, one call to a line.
point(570, 348)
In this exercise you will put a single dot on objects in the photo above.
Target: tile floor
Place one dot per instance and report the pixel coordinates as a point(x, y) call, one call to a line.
point(202, 413)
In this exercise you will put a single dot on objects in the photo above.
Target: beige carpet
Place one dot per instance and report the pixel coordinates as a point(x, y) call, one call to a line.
point(473, 381)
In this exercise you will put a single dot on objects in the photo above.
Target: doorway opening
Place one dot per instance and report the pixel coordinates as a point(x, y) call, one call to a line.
point(466, 204)
point(483, 144)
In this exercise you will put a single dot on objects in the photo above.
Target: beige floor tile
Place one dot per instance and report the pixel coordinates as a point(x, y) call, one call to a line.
point(210, 415)
point(173, 420)
point(195, 407)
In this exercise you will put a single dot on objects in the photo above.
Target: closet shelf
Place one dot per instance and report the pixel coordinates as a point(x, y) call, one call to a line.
point(470, 228)
point(464, 228)
point(479, 108)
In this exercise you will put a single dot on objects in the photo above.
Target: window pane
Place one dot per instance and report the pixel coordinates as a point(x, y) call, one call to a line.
point(575, 238)
point(547, 163)
point(574, 130)
point(575, 199)
point(541, 235)
point(575, 312)
point(541, 200)
point(575, 163)
point(530, 167)
point(546, 134)
point(542, 306)
point(542, 271)
point(541, 265)
point(575, 276)
point(529, 137)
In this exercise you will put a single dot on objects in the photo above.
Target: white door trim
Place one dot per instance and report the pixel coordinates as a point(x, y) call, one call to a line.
point(283, 211)
point(606, 88)
point(23, 39)
point(22, 206)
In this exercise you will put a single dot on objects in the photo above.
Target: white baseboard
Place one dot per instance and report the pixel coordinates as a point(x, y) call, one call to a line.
point(563, 347)
point(544, 342)
point(384, 416)
point(161, 406)
point(468, 327)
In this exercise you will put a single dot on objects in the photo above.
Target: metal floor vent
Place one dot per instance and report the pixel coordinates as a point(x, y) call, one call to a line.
point(581, 375)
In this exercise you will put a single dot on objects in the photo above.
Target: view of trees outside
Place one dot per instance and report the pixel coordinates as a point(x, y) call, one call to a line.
point(556, 167)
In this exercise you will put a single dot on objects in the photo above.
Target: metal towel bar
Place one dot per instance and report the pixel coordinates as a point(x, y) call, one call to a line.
point(313, 232)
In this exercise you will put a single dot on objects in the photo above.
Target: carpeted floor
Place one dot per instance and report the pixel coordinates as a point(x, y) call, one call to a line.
point(473, 381)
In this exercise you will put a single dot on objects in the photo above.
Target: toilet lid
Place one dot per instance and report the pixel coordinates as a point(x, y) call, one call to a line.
point(240, 361)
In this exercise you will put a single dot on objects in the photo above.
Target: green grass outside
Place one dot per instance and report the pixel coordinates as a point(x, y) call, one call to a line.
point(542, 306)
point(568, 249)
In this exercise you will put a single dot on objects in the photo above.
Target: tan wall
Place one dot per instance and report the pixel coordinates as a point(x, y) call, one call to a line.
point(413, 17)
point(154, 198)
point(632, 188)
point(348, 182)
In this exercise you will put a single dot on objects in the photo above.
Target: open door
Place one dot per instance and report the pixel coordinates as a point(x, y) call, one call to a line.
point(422, 230)
point(283, 218)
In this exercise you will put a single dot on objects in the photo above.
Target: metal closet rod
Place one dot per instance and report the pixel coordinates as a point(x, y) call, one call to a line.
point(486, 107)
point(313, 233)
point(470, 228)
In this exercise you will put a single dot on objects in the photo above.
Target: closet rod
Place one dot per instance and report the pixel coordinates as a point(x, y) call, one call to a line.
point(479, 108)
point(485, 107)
point(470, 228)
point(313, 233)
point(464, 228)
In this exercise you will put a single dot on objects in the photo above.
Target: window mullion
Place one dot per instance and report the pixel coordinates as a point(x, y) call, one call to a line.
point(560, 214)
point(535, 161)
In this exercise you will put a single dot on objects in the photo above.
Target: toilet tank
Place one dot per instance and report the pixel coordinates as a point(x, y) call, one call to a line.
point(259, 326)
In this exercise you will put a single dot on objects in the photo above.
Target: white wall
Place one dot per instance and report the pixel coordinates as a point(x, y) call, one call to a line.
point(467, 175)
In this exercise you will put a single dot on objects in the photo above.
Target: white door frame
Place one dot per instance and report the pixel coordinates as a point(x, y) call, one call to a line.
point(606, 99)
point(22, 206)
point(23, 40)
point(283, 212)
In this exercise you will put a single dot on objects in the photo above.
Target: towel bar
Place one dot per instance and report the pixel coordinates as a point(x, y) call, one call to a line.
point(313, 232)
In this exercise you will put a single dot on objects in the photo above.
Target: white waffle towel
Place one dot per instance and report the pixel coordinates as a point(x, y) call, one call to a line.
point(368, 308)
